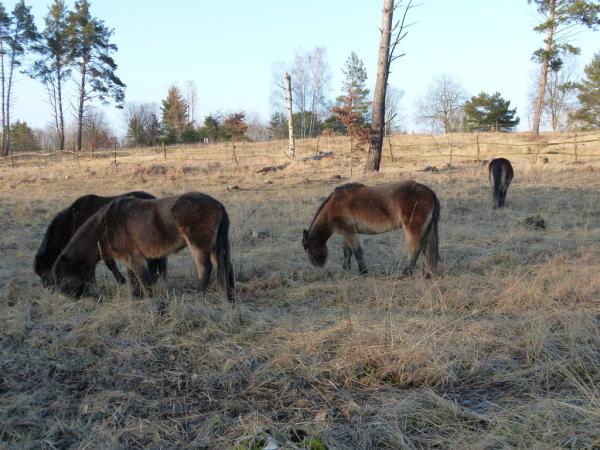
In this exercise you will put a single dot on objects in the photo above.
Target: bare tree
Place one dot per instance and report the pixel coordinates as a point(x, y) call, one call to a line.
point(441, 108)
point(310, 79)
point(391, 36)
point(140, 119)
point(192, 100)
point(292, 145)
point(393, 96)
point(257, 129)
point(319, 81)
point(96, 132)
point(561, 96)
point(300, 86)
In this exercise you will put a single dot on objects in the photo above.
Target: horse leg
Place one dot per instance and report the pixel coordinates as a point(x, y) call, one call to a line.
point(351, 240)
point(203, 263)
point(413, 243)
point(139, 275)
point(158, 267)
point(347, 264)
point(112, 266)
point(502, 201)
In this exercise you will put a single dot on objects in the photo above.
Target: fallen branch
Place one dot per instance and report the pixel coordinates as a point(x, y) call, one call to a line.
point(268, 169)
point(320, 156)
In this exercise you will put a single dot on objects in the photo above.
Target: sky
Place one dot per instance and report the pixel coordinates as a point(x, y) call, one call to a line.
point(229, 48)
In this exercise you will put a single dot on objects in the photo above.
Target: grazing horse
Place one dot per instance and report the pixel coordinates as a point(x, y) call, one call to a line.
point(355, 208)
point(133, 230)
point(67, 222)
point(501, 174)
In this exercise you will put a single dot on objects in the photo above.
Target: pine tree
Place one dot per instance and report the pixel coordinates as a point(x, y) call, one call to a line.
point(53, 67)
point(154, 130)
point(175, 115)
point(17, 33)
point(490, 112)
point(355, 93)
point(235, 126)
point(589, 95)
point(22, 138)
point(91, 52)
point(559, 19)
point(212, 127)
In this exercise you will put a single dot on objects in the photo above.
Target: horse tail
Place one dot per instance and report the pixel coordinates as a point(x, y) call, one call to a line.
point(430, 239)
point(225, 275)
point(498, 175)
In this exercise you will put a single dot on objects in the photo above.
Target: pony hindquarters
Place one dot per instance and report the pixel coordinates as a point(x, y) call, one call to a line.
point(500, 174)
point(204, 225)
point(420, 218)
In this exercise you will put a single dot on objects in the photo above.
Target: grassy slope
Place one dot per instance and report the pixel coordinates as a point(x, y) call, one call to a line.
point(501, 351)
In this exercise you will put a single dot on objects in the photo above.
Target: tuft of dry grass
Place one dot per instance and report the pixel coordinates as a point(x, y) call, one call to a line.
point(501, 351)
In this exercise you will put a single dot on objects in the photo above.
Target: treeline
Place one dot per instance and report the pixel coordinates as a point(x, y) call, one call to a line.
point(569, 103)
point(71, 56)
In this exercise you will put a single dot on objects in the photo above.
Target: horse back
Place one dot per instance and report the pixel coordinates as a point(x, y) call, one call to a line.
point(142, 226)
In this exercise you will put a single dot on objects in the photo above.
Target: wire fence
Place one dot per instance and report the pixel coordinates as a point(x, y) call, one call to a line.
point(462, 146)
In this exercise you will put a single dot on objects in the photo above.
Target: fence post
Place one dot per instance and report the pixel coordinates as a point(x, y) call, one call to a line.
point(115, 152)
point(12, 158)
point(477, 140)
point(164, 150)
point(575, 145)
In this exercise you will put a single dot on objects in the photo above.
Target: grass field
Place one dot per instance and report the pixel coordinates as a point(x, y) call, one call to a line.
point(500, 351)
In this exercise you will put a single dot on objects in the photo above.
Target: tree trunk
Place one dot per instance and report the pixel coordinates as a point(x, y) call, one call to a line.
point(3, 98)
point(6, 133)
point(292, 145)
point(539, 103)
point(383, 70)
point(81, 106)
point(61, 119)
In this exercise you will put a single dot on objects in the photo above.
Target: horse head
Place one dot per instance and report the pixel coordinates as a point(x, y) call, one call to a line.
point(316, 249)
point(72, 278)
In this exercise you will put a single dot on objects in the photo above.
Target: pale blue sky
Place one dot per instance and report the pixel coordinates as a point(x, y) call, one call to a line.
point(228, 49)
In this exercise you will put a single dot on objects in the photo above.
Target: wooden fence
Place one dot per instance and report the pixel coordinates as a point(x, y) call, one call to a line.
point(468, 146)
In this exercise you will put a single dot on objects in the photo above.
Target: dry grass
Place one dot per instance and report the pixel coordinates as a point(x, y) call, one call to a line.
point(502, 351)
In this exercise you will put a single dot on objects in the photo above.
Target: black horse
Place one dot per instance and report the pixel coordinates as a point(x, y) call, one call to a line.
point(500, 174)
point(64, 226)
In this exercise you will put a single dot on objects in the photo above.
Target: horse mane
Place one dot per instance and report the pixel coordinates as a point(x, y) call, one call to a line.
point(348, 187)
point(337, 190)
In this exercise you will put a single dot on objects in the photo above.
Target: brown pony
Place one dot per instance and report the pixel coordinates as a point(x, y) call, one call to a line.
point(500, 173)
point(356, 208)
point(64, 225)
point(133, 230)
